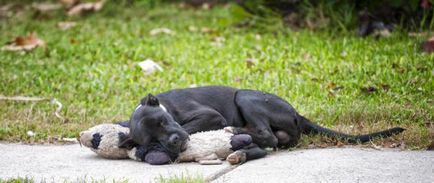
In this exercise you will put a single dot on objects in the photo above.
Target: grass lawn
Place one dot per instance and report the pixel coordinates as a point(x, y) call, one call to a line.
point(337, 79)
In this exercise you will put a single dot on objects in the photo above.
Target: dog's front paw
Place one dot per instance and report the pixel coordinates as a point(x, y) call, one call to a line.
point(230, 129)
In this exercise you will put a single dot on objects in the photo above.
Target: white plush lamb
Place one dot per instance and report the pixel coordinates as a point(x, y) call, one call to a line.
point(204, 147)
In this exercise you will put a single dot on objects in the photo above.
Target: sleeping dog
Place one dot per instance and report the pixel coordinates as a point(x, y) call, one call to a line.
point(171, 116)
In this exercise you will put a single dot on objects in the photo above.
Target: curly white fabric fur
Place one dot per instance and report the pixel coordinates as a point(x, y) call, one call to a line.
point(209, 145)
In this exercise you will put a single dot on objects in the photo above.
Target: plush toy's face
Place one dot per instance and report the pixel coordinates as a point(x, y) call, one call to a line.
point(104, 140)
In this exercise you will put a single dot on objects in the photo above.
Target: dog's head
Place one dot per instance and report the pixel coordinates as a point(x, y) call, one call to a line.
point(150, 122)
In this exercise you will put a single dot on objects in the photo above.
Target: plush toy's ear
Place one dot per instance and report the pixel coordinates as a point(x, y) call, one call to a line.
point(125, 141)
point(150, 100)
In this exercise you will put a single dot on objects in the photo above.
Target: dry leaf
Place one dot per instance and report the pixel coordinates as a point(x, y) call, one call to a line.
point(46, 7)
point(206, 30)
point(5, 10)
point(24, 43)
point(163, 30)
point(82, 8)
point(149, 66)
point(323, 145)
point(369, 89)
point(66, 25)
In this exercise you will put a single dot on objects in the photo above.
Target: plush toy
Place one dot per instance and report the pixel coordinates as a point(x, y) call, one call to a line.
point(205, 147)
point(104, 139)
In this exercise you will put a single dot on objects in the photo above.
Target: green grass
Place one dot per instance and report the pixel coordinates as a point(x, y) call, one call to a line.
point(92, 69)
point(183, 178)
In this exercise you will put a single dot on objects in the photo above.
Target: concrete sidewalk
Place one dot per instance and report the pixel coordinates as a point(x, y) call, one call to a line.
point(73, 163)
point(54, 163)
point(338, 165)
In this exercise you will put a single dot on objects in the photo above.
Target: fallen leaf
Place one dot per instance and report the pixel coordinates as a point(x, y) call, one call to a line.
point(82, 8)
point(157, 31)
point(5, 10)
point(323, 145)
point(149, 66)
point(428, 46)
point(24, 43)
point(66, 25)
point(206, 30)
point(46, 7)
point(369, 89)
point(13, 9)
point(339, 144)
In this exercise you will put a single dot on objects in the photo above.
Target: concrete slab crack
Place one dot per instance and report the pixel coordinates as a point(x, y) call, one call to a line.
point(220, 173)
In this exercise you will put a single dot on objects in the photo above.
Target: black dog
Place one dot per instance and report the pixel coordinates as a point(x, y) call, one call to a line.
point(169, 117)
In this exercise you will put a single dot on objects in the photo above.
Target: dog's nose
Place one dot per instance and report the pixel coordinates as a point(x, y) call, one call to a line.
point(174, 139)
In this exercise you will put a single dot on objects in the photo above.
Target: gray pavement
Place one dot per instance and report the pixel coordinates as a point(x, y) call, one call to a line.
point(73, 163)
point(338, 165)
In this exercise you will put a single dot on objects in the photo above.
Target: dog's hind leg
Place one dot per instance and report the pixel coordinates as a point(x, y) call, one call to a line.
point(204, 120)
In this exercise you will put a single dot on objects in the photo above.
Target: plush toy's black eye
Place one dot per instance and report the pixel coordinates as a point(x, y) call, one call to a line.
point(96, 140)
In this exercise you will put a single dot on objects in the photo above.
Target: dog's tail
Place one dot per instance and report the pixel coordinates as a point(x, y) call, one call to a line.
point(310, 127)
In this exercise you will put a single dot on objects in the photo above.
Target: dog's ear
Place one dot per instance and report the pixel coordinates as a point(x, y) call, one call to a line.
point(125, 141)
point(150, 100)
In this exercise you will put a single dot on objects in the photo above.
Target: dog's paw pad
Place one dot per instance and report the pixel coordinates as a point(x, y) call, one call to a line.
point(236, 157)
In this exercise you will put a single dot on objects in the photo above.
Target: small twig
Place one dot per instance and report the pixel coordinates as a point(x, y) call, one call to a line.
point(37, 99)
point(59, 107)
